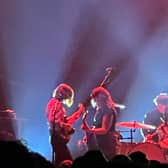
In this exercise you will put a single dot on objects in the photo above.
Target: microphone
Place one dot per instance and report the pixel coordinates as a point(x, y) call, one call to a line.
point(121, 106)
point(162, 120)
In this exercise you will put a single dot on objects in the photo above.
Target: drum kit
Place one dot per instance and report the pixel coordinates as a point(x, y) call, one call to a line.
point(153, 150)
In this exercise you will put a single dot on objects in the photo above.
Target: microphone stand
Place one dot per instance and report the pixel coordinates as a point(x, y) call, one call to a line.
point(52, 138)
point(165, 116)
point(53, 132)
point(131, 134)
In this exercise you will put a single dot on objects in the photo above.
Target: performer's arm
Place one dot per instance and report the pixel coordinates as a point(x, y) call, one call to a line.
point(71, 119)
point(106, 125)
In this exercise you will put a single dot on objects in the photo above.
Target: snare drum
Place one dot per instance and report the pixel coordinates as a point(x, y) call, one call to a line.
point(152, 151)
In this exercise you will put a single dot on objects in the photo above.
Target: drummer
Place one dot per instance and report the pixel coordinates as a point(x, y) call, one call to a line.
point(157, 117)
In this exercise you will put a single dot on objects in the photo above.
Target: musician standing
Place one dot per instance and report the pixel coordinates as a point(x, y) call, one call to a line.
point(101, 134)
point(158, 117)
point(60, 125)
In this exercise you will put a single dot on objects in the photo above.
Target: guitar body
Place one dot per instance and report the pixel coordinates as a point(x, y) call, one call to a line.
point(91, 140)
point(62, 131)
point(66, 130)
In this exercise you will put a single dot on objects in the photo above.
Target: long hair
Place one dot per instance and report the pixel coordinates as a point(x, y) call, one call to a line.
point(162, 98)
point(103, 96)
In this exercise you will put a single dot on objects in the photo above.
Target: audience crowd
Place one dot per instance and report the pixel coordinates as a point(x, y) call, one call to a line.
point(17, 154)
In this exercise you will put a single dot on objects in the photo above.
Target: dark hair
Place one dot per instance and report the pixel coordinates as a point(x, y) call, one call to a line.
point(103, 95)
point(162, 98)
point(100, 92)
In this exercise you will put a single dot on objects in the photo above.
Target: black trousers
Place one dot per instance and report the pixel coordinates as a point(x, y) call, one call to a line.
point(60, 149)
point(105, 143)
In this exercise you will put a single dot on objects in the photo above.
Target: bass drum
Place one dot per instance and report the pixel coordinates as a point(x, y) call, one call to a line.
point(124, 148)
point(162, 131)
point(152, 151)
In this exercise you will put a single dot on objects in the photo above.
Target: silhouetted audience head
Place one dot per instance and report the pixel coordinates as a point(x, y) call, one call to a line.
point(16, 154)
point(139, 159)
point(154, 164)
point(40, 161)
point(78, 162)
point(120, 160)
point(95, 158)
point(92, 158)
point(65, 164)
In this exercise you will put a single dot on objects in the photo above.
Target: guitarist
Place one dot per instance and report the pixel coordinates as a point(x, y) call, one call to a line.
point(60, 125)
point(102, 135)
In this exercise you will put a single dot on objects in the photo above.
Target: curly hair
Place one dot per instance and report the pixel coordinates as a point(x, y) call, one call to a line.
point(63, 91)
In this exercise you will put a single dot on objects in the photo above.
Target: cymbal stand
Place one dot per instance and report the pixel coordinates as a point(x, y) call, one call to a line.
point(131, 131)
point(131, 134)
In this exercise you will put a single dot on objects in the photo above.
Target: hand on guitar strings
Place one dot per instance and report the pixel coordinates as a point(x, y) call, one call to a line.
point(85, 127)
point(81, 108)
point(71, 119)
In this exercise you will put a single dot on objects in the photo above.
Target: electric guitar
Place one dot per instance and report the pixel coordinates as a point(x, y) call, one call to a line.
point(65, 128)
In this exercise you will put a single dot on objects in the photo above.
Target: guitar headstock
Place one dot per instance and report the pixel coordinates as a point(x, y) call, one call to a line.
point(108, 77)
point(84, 115)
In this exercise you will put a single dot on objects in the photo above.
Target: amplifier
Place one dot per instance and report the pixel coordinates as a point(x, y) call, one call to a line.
point(10, 115)
point(8, 128)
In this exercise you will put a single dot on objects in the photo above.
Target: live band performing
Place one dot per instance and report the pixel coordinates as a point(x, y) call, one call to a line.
point(99, 114)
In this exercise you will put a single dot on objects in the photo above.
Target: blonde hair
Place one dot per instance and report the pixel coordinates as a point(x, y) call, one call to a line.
point(63, 91)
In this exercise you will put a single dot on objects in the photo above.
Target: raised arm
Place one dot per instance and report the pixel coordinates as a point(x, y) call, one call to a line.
point(71, 119)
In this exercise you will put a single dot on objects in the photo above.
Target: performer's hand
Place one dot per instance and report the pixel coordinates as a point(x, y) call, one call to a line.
point(84, 127)
point(71, 119)
point(84, 139)
point(81, 107)
point(148, 138)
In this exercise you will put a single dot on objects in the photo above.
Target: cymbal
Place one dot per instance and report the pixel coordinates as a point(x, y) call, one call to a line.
point(135, 124)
